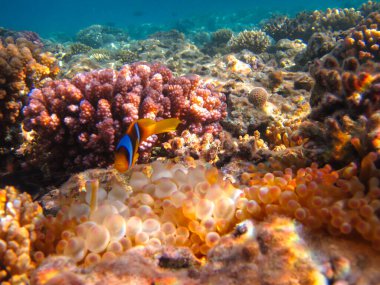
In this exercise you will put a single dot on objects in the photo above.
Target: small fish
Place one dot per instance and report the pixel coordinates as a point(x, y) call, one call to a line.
point(126, 151)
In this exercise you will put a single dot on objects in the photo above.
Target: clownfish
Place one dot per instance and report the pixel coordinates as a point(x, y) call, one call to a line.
point(126, 151)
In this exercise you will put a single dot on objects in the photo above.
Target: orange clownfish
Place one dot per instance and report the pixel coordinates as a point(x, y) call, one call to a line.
point(126, 151)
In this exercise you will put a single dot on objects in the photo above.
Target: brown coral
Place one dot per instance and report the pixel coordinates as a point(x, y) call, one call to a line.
point(23, 66)
point(363, 42)
point(346, 99)
point(258, 96)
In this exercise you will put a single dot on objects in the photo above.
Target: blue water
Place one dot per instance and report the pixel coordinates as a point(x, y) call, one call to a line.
point(49, 18)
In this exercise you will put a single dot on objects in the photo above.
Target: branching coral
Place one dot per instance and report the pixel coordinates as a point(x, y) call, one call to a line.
point(307, 23)
point(369, 7)
point(346, 99)
point(363, 42)
point(255, 41)
point(78, 122)
point(22, 66)
point(18, 217)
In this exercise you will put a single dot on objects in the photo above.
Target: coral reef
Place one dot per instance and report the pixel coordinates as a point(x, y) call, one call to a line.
point(77, 58)
point(23, 66)
point(165, 204)
point(28, 35)
point(277, 252)
point(363, 42)
point(255, 41)
point(221, 37)
point(179, 54)
point(18, 218)
point(218, 42)
point(346, 99)
point(272, 177)
point(307, 23)
point(343, 201)
point(169, 38)
point(192, 205)
point(286, 52)
point(318, 45)
point(369, 7)
point(78, 48)
point(97, 36)
point(78, 122)
point(171, 204)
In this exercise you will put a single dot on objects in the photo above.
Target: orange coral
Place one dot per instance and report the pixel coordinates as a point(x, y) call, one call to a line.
point(166, 204)
point(18, 216)
point(363, 42)
point(343, 201)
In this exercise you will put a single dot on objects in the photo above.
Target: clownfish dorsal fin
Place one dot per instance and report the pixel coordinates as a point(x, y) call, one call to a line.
point(146, 128)
point(167, 125)
point(150, 127)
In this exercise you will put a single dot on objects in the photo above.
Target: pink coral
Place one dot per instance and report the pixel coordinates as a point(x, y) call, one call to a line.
point(81, 120)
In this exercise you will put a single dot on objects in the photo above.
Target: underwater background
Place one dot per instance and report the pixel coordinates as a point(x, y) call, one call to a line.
point(56, 17)
point(190, 142)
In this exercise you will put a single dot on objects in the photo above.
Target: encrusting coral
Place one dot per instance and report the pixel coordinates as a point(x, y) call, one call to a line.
point(18, 217)
point(23, 66)
point(79, 122)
